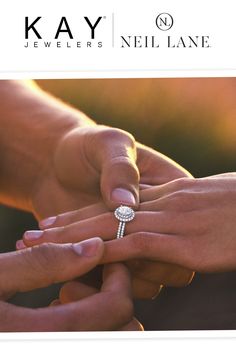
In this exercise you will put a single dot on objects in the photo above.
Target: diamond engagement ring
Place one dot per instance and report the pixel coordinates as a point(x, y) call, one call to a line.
point(123, 214)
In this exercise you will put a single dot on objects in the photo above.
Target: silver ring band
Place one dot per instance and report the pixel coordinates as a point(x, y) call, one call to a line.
point(124, 214)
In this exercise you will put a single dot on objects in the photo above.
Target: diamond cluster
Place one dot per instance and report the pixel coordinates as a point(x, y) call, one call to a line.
point(124, 213)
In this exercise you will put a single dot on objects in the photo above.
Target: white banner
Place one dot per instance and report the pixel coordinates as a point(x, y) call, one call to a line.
point(117, 38)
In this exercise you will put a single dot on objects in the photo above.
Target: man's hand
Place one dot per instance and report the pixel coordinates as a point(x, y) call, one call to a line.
point(76, 291)
point(109, 309)
point(89, 164)
point(56, 159)
point(98, 163)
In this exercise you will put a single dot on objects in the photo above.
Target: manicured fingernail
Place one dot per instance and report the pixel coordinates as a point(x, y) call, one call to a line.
point(87, 248)
point(47, 222)
point(20, 245)
point(123, 196)
point(33, 235)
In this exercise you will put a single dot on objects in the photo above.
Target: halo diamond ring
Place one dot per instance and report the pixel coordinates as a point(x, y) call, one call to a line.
point(124, 214)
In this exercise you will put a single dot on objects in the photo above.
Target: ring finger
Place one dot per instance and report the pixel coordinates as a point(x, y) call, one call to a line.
point(105, 226)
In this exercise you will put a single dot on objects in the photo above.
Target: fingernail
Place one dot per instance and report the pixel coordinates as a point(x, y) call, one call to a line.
point(33, 235)
point(20, 245)
point(87, 248)
point(123, 196)
point(47, 222)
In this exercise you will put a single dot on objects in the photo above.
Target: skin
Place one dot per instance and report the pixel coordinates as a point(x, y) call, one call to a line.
point(57, 159)
point(76, 291)
point(68, 162)
point(25, 271)
point(186, 222)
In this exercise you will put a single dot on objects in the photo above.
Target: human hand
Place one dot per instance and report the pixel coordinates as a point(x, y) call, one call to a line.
point(147, 275)
point(76, 291)
point(96, 163)
point(67, 189)
point(41, 266)
point(57, 159)
point(194, 225)
point(191, 223)
point(187, 222)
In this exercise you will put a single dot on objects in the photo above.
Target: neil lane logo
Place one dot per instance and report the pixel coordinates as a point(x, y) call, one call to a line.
point(164, 21)
point(160, 39)
point(99, 31)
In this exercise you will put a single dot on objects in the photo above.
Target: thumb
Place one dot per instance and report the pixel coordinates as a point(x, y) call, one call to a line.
point(100, 157)
point(119, 181)
point(49, 263)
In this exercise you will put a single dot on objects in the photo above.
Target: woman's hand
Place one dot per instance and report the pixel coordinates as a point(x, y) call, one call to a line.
point(187, 222)
point(147, 276)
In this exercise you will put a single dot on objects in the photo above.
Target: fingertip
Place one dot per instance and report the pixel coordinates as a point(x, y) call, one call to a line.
point(93, 247)
point(123, 196)
point(32, 235)
point(20, 245)
point(47, 223)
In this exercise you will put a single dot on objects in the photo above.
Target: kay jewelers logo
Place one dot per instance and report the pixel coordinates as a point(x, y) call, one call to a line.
point(37, 35)
point(92, 32)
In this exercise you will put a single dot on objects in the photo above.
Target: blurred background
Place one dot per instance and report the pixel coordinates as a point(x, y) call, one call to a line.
point(193, 121)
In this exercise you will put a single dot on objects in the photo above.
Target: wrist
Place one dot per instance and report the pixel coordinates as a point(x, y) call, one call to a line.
point(34, 124)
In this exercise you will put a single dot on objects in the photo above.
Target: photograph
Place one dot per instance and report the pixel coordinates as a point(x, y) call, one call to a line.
point(117, 204)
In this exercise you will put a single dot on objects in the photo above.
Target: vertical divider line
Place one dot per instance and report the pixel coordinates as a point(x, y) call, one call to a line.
point(113, 30)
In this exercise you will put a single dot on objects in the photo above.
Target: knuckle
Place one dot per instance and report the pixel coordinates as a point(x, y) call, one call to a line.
point(108, 133)
point(127, 168)
point(116, 161)
point(54, 234)
point(181, 200)
point(46, 259)
point(183, 182)
point(63, 221)
point(65, 218)
point(180, 195)
point(122, 168)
